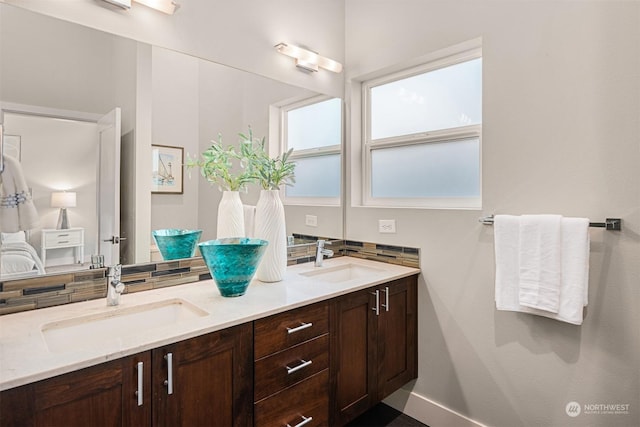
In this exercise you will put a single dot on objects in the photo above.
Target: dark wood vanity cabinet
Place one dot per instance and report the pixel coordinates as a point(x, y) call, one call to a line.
point(211, 384)
point(373, 346)
point(317, 365)
point(292, 368)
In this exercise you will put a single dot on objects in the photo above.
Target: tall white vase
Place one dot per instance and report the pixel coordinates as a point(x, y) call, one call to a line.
point(270, 226)
point(230, 215)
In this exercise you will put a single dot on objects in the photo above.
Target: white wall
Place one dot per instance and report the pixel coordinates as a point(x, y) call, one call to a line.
point(561, 131)
point(44, 63)
point(238, 33)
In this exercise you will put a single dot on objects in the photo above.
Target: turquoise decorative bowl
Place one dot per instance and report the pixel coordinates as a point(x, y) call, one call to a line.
point(233, 262)
point(175, 243)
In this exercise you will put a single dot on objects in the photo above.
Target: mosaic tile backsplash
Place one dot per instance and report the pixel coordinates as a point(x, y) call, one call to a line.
point(34, 293)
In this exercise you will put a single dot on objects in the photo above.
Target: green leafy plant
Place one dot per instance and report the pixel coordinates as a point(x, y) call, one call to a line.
point(225, 166)
point(274, 172)
point(220, 165)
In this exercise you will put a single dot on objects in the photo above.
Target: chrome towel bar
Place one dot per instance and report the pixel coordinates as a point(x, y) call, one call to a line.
point(611, 224)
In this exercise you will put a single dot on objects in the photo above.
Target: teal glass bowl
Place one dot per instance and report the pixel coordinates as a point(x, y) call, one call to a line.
point(175, 243)
point(233, 262)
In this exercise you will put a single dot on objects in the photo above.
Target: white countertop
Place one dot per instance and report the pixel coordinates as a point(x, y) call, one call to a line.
point(26, 357)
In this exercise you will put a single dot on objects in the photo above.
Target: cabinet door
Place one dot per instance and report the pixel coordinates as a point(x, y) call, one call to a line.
point(211, 380)
point(353, 347)
point(102, 395)
point(397, 335)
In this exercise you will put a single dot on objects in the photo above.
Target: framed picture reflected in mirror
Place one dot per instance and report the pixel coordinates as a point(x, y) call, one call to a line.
point(167, 169)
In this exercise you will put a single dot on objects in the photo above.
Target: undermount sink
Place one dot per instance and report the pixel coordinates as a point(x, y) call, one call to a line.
point(341, 273)
point(97, 330)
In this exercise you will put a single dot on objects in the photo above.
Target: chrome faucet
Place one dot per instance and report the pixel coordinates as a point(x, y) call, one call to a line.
point(321, 252)
point(114, 285)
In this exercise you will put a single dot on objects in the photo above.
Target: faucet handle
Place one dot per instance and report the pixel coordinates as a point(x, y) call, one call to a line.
point(115, 271)
point(118, 286)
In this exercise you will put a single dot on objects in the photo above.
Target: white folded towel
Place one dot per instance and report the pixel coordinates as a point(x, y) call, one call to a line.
point(506, 231)
point(17, 211)
point(249, 220)
point(574, 284)
point(540, 261)
point(575, 268)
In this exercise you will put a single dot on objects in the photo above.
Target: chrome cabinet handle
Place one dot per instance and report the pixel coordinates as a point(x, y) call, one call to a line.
point(386, 304)
point(377, 307)
point(169, 381)
point(304, 421)
point(300, 366)
point(299, 328)
point(140, 367)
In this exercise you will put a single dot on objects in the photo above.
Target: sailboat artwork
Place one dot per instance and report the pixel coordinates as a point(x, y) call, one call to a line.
point(163, 175)
point(167, 172)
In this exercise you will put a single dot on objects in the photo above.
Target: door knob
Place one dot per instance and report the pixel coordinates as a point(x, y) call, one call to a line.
point(115, 239)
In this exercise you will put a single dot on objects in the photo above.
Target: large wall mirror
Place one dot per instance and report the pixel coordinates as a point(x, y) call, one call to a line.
point(58, 77)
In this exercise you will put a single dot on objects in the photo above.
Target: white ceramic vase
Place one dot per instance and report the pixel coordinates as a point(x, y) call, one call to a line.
point(270, 226)
point(230, 215)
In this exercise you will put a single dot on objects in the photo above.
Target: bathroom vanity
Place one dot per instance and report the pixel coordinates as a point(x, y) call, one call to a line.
point(318, 348)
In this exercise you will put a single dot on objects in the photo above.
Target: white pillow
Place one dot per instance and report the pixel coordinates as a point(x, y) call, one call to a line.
point(16, 237)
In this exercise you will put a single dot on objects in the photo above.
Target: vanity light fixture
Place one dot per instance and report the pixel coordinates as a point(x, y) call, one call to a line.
point(166, 6)
point(125, 4)
point(307, 59)
point(63, 200)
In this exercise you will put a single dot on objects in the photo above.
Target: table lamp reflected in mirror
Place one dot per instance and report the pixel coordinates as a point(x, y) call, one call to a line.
point(63, 200)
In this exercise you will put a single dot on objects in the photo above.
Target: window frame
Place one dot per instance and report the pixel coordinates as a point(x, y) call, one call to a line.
point(312, 152)
point(420, 138)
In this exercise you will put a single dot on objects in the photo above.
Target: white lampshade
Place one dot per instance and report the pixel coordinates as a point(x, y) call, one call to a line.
point(63, 199)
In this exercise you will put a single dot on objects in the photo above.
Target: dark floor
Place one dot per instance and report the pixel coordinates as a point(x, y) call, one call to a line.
point(383, 415)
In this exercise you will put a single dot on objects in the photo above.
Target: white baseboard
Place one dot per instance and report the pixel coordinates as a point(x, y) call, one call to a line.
point(427, 411)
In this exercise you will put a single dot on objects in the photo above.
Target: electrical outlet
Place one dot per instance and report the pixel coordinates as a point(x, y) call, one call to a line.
point(311, 220)
point(387, 225)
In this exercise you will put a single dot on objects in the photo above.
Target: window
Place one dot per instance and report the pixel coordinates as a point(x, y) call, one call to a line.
point(313, 128)
point(422, 135)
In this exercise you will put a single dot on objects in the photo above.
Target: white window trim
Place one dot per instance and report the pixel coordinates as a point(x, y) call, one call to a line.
point(444, 135)
point(313, 152)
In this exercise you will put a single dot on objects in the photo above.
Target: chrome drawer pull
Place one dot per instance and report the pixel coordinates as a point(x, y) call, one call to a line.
point(300, 366)
point(304, 421)
point(169, 381)
point(386, 293)
point(140, 383)
point(62, 241)
point(299, 328)
point(377, 307)
point(63, 235)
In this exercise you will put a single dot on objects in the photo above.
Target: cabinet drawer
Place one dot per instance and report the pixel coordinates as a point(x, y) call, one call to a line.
point(283, 369)
point(281, 331)
point(63, 238)
point(308, 399)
